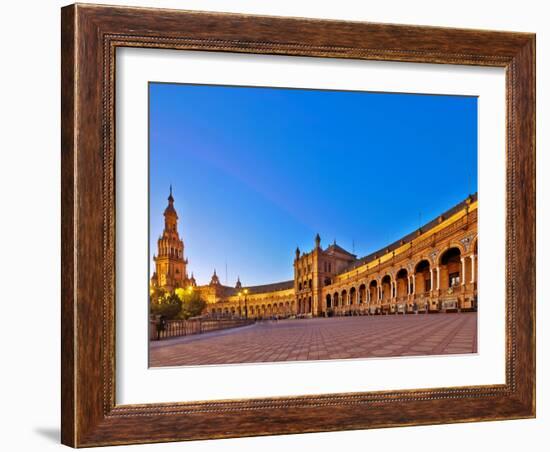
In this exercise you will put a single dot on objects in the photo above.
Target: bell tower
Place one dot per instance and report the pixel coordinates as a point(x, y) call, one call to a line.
point(170, 263)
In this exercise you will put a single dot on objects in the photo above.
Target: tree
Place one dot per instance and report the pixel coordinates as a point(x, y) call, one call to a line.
point(191, 303)
point(156, 294)
point(167, 305)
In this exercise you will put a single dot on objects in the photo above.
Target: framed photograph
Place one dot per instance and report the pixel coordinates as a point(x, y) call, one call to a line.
point(281, 225)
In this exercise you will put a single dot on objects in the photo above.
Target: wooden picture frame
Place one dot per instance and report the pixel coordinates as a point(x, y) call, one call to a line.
point(90, 36)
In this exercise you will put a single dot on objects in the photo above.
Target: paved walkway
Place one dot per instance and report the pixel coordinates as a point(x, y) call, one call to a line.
point(321, 339)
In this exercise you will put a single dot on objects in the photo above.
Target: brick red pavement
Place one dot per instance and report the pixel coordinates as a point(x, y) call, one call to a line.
point(321, 339)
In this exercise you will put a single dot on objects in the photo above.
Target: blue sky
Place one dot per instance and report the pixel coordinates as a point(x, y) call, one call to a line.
point(258, 171)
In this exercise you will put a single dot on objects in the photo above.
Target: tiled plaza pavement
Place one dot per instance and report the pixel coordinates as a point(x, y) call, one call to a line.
point(320, 338)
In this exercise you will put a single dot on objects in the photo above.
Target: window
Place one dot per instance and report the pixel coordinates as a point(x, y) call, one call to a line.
point(454, 279)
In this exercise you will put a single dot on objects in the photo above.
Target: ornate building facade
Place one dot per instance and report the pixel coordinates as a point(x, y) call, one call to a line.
point(432, 269)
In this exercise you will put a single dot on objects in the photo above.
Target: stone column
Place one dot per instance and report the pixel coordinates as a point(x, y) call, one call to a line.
point(438, 279)
point(463, 273)
point(431, 279)
point(473, 258)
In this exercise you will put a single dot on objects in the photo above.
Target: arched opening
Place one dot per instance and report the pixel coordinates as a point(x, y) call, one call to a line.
point(450, 269)
point(352, 296)
point(344, 298)
point(373, 291)
point(386, 289)
point(362, 294)
point(329, 301)
point(336, 299)
point(402, 283)
point(422, 278)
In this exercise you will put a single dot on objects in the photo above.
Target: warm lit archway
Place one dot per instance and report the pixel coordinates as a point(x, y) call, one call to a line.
point(373, 292)
point(344, 298)
point(422, 277)
point(362, 294)
point(352, 296)
point(450, 268)
point(402, 283)
point(386, 289)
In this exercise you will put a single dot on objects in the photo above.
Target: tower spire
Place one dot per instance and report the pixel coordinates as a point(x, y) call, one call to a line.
point(170, 262)
point(170, 197)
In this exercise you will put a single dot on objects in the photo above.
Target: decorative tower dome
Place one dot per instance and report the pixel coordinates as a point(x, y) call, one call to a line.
point(317, 241)
point(238, 285)
point(297, 252)
point(215, 281)
point(192, 280)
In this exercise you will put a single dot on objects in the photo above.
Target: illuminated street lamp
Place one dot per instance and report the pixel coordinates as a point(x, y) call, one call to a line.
point(240, 294)
point(245, 293)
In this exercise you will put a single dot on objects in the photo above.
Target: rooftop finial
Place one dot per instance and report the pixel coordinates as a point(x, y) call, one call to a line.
point(170, 198)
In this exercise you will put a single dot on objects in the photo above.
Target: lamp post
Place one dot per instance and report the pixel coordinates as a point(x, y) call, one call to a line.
point(245, 304)
point(241, 293)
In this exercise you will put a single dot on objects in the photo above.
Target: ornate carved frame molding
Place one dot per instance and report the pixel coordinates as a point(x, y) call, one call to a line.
point(90, 36)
